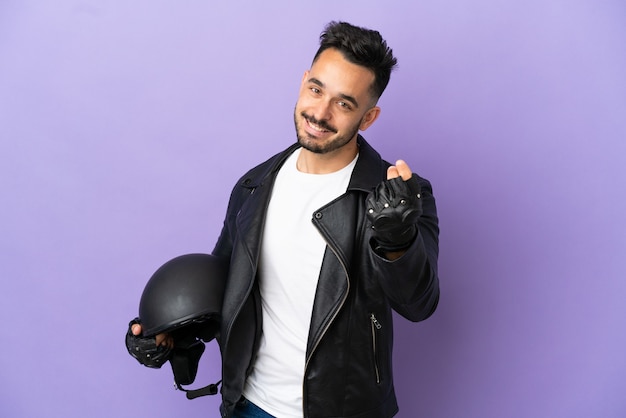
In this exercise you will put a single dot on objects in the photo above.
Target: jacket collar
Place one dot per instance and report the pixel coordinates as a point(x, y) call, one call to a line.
point(369, 170)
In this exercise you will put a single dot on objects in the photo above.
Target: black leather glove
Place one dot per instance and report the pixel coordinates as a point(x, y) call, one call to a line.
point(145, 350)
point(394, 208)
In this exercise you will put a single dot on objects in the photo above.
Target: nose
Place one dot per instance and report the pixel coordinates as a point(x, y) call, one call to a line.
point(322, 111)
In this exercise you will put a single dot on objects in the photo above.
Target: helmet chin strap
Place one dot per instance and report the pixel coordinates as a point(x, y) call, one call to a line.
point(196, 393)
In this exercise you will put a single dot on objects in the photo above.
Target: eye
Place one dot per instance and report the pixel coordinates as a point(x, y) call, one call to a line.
point(344, 105)
point(315, 90)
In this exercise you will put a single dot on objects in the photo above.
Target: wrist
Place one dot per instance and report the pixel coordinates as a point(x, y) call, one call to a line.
point(394, 242)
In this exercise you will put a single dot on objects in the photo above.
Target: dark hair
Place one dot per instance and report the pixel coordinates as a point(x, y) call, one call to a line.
point(363, 47)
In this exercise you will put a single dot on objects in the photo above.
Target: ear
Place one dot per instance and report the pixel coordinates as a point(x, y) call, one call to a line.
point(369, 118)
point(305, 77)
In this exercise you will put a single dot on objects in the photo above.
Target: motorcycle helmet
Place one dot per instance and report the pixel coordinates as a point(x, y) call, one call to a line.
point(184, 298)
point(187, 289)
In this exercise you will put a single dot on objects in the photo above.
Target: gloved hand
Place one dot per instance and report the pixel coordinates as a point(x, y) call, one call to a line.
point(394, 208)
point(145, 350)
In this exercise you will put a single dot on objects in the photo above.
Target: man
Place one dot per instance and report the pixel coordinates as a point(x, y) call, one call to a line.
point(324, 240)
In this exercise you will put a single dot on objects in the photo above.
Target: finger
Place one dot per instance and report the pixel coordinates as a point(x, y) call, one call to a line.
point(164, 339)
point(392, 172)
point(136, 329)
point(160, 339)
point(404, 170)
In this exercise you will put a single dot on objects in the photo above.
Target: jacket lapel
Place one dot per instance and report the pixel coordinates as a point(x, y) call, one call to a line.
point(333, 284)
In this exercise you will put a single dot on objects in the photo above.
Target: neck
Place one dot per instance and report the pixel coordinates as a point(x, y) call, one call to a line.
point(314, 163)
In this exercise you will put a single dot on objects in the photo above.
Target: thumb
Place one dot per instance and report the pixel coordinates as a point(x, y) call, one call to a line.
point(136, 329)
point(392, 172)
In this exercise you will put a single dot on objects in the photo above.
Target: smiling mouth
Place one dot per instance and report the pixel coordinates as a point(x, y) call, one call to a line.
point(318, 125)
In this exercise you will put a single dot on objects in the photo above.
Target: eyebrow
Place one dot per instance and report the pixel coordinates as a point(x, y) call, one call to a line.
point(345, 97)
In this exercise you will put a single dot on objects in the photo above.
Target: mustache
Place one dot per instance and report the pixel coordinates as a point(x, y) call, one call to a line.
point(321, 123)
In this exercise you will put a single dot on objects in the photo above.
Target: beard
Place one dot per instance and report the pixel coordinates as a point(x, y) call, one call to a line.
point(316, 146)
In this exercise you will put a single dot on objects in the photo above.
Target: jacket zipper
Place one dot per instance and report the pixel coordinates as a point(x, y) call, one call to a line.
point(375, 327)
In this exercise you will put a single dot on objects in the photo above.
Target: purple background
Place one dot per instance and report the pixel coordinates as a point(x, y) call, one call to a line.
point(124, 124)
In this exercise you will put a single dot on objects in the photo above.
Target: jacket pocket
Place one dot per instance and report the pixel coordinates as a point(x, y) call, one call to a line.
point(375, 327)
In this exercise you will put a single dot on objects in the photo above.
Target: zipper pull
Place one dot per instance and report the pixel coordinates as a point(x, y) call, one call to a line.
point(375, 322)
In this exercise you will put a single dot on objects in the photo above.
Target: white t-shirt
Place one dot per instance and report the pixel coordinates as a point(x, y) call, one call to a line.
point(291, 257)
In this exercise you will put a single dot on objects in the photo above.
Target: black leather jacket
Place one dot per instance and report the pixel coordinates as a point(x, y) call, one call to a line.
point(348, 361)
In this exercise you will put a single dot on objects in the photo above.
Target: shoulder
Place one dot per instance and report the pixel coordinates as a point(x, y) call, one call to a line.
point(256, 175)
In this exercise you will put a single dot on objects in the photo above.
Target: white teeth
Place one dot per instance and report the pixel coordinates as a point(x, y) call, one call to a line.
point(316, 127)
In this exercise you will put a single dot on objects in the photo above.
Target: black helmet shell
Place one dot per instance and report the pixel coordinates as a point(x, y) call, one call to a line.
point(186, 289)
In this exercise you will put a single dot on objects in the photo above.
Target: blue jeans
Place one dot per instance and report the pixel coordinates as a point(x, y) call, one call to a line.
point(246, 409)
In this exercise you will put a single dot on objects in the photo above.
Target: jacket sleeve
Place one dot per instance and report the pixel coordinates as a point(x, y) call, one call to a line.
point(411, 282)
point(224, 244)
